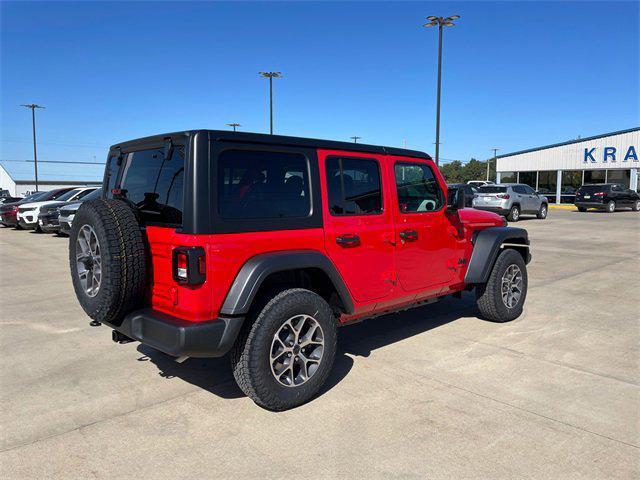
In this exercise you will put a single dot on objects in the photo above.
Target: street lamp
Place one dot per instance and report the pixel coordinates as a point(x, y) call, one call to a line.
point(495, 159)
point(355, 139)
point(33, 107)
point(233, 125)
point(271, 76)
point(440, 22)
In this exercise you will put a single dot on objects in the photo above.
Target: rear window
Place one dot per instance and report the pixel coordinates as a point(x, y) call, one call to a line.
point(492, 189)
point(593, 188)
point(153, 184)
point(255, 184)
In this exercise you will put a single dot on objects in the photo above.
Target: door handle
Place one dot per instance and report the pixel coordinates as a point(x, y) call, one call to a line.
point(348, 240)
point(409, 235)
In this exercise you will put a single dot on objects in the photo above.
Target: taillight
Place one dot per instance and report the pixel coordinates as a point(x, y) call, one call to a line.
point(504, 196)
point(14, 209)
point(189, 265)
point(598, 194)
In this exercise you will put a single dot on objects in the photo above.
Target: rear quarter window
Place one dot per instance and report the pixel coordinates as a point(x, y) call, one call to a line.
point(153, 184)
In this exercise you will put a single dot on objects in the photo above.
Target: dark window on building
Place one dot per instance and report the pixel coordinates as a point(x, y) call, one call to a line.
point(508, 177)
point(571, 182)
point(528, 178)
point(153, 184)
point(547, 183)
point(594, 176)
point(354, 186)
point(418, 189)
point(262, 184)
point(623, 177)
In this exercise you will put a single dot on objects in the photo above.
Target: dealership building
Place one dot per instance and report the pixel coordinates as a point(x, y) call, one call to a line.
point(558, 170)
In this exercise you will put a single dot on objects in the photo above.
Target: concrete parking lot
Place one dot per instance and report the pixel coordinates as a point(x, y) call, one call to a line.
point(430, 393)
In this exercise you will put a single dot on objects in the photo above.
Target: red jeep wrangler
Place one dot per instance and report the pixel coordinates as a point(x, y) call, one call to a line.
point(208, 242)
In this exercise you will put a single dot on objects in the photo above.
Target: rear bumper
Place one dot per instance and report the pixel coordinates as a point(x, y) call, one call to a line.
point(177, 337)
point(589, 204)
point(498, 210)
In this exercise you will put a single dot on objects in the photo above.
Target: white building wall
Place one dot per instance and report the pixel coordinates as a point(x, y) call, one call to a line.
point(572, 156)
point(6, 182)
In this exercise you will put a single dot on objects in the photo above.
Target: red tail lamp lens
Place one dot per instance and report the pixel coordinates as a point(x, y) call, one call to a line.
point(189, 265)
point(598, 194)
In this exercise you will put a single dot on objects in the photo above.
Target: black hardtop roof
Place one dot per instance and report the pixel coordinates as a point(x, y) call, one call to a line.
point(261, 138)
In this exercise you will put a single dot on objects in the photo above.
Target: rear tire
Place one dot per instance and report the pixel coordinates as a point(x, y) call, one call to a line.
point(542, 213)
point(514, 214)
point(114, 264)
point(495, 299)
point(611, 206)
point(582, 209)
point(261, 373)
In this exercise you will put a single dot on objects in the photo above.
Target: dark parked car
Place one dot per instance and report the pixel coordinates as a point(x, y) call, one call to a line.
point(9, 199)
point(9, 211)
point(68, 211)
point(606, 196)
point(469, 192)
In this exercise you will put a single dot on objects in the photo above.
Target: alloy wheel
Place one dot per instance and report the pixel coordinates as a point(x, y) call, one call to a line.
point(88, 260)
point(511, 286)
point(296, 350)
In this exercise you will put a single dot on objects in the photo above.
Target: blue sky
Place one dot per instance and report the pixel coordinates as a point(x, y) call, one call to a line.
point(515, 74)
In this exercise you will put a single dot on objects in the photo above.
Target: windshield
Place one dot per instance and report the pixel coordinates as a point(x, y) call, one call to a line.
point(492, 189)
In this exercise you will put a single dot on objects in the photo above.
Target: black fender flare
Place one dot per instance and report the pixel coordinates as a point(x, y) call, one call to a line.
point(256, 269)
point(486, 247)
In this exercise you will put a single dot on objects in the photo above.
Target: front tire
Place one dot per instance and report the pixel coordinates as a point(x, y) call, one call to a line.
point(514, 214)
point(582, 209)
point(284, 356)
point(502, 298)
point(636, 206)
point(611, 206)
point(542, 213)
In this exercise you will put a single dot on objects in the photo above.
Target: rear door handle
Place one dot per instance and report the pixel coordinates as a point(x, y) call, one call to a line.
point(409, 235)
point(348, 240)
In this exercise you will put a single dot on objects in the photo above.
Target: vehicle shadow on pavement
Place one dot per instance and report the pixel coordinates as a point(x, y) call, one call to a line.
point(361, 339)
point(214, 374)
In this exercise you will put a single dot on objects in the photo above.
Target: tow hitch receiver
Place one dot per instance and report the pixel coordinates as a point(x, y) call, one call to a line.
point(120, 337)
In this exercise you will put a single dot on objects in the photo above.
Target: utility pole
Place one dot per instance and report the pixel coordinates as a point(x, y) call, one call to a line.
point(355, 139)
point(271, 76)
point(441, 22)
point(495, 159)
point(33, 107)
point(233, 125)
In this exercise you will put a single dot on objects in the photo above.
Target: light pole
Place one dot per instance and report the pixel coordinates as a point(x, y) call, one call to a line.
point(233, 125)
point(441, 22)
point(355, 139)
point(33, 107)
point(271, 76)
point(495, 159)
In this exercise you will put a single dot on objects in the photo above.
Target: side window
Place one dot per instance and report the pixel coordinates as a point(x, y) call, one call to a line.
point(519, 189)
point(153, 184)
point(529, 190)
point(263, 184)
point(354, 186)
point(418, 189)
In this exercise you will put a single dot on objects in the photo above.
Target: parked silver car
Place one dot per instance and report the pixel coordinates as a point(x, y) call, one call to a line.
point(511, 200)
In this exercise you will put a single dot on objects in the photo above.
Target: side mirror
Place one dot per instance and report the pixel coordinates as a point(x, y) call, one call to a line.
point(455, 199)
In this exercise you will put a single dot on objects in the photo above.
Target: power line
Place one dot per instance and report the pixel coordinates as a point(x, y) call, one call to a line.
point(54, 161)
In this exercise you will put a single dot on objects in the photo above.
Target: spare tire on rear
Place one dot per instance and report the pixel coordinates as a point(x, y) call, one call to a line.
point(107, 257)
